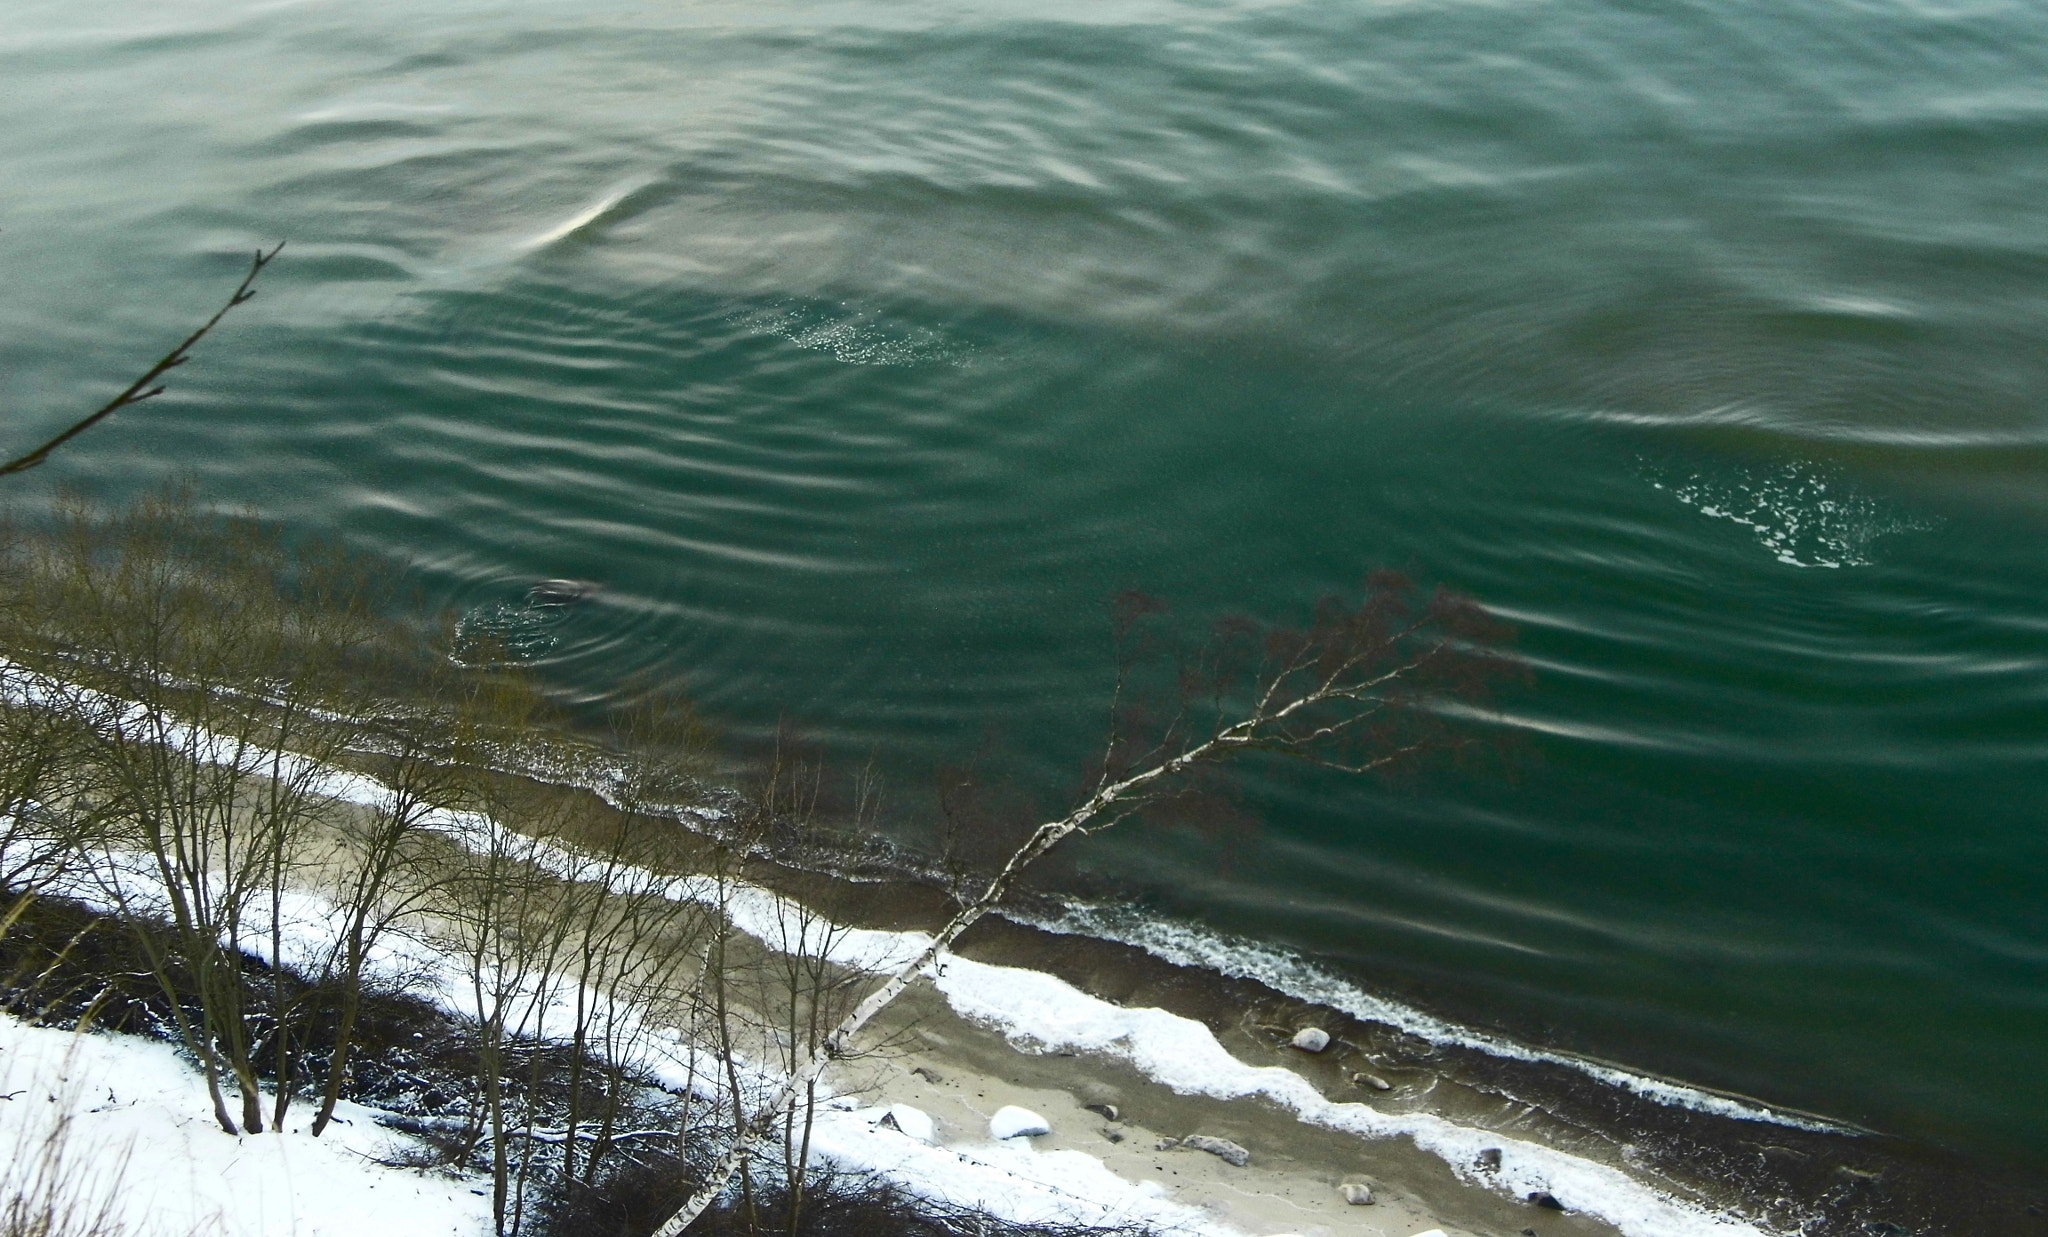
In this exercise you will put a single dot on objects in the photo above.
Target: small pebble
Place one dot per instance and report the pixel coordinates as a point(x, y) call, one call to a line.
point(1377, 1083)
point(1311, 1039)
point(1107, 1110)
point(1222, 1148)
point(1113, 1136)
point(1544, 1198)
point(1489, 1160)
point(929, 1074)
point(1166, 1144)
point(1357, 1193)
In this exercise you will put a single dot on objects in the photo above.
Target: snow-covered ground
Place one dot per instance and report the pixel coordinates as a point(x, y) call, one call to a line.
point(137, 1130)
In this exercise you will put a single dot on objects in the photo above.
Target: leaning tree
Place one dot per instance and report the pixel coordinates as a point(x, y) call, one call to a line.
point(1368, 684)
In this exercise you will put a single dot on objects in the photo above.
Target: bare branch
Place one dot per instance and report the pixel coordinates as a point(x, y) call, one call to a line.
point(1311, 691)
point(145, 387)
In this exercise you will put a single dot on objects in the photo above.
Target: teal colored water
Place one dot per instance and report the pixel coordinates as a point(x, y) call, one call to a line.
point(860, 350)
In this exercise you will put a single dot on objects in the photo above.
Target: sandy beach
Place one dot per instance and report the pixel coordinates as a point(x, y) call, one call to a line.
point(961, 1074)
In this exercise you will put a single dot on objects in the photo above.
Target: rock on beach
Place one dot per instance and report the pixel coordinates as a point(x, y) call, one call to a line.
point(912, 1121)
point(1011, 1121)
point(1311, 1039)
point(1222, 1148)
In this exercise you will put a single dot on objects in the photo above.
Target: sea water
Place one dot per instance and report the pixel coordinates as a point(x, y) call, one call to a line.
point(858, 352)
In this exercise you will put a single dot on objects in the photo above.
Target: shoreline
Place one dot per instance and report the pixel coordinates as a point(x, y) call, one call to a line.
point(1460, 1139)
point(1781, 1171)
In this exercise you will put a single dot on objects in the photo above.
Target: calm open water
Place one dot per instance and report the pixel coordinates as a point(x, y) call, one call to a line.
point(861, 349)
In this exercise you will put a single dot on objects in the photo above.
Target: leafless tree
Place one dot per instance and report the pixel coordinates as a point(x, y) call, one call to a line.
point(41, 820)
point(774, 999)
point(198, 661)
point(1364, 686)
point(388, 862)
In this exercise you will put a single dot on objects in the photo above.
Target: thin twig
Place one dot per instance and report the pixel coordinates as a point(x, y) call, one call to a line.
point(142, 388)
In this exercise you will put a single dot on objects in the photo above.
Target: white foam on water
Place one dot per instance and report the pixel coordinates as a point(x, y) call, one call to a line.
point(1804, 514)
point(854, 336)
point(1290, 974)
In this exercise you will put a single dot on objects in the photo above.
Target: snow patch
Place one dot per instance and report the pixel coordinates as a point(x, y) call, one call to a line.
point(1047, 1014)
point(1287, 972)
point(137, 1116)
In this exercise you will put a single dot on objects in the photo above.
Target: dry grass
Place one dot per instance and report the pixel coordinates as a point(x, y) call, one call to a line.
point(51, 1187)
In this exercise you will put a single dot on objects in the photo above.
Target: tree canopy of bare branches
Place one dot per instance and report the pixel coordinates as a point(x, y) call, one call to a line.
point(1366, 685)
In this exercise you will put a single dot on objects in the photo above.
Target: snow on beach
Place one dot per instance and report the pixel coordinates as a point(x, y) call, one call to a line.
point(1190, 945)
point(141, 1134)
point(1032, 1009)
point(1011, 1178)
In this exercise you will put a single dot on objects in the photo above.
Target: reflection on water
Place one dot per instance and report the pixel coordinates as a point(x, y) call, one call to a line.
point(864, 349)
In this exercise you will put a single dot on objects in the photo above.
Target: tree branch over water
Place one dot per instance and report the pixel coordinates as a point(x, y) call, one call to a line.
point(147, 387)
point(1361, 688)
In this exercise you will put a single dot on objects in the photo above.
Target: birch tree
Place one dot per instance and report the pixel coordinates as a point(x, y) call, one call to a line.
point(1364, 686)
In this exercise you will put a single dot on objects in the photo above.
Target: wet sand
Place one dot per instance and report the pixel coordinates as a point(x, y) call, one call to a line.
point(1842, 1182)
point(961, 1074)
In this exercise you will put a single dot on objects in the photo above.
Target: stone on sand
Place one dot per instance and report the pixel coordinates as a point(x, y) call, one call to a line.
point(912, 1121)
point(1311, 1039)
point(1011, 1121)
point(1222, 1148)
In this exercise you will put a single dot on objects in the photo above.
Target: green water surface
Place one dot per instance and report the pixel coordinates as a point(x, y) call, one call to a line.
point(861, 349)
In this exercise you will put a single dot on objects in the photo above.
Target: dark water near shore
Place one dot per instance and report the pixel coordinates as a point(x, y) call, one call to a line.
point(861, 350)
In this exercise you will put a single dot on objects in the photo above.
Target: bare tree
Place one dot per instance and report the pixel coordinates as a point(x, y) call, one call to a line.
point(388, 864)
point(41, 821)
point(1363, 687)
point(773, 999)
point(572, 917)
point(808, 993)
point(196, 661)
